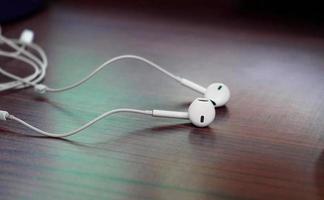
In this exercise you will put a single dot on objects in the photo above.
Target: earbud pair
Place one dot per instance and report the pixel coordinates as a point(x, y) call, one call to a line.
point(201, 111)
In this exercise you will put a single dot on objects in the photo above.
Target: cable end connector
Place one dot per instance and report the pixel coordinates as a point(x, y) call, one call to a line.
point(27, 36)
point(4, 115)
point(40, 88)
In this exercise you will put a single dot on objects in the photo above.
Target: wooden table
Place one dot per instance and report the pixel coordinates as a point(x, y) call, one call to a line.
point(267, 143)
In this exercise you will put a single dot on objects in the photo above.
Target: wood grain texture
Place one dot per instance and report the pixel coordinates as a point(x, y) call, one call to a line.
point(266, 144)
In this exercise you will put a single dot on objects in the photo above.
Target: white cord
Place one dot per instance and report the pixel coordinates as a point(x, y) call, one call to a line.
point(22, 52)
point(39, 62)
point(59, 135)
point(107, 63)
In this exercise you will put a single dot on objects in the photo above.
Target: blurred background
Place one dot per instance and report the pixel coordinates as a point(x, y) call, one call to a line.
point(266, 144)
point(288, 11)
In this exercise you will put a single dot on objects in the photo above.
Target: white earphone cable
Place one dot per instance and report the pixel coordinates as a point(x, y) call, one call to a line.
point(40, 63)
point(107, 63)
point(58, 135)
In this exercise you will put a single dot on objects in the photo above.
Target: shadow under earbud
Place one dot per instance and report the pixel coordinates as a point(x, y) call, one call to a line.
point(194, 133)
point(197, 136)
point(186, 126)
point(222, 113)
point(169, 128)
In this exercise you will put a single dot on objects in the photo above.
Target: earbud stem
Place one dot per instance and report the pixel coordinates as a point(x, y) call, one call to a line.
point(170, 114)
point(193, 86)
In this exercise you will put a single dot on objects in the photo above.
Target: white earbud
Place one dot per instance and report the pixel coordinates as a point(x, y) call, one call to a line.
point(218, 93)
point(201, 113)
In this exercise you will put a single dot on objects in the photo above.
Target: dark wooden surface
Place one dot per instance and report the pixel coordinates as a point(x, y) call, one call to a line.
point(266, 144)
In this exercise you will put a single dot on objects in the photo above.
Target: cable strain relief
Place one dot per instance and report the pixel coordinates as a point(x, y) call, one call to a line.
point(10, 116)
point(40, 88)
point(194, 86)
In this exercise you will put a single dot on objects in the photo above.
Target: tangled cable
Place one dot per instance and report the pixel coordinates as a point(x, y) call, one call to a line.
point(26, 51)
